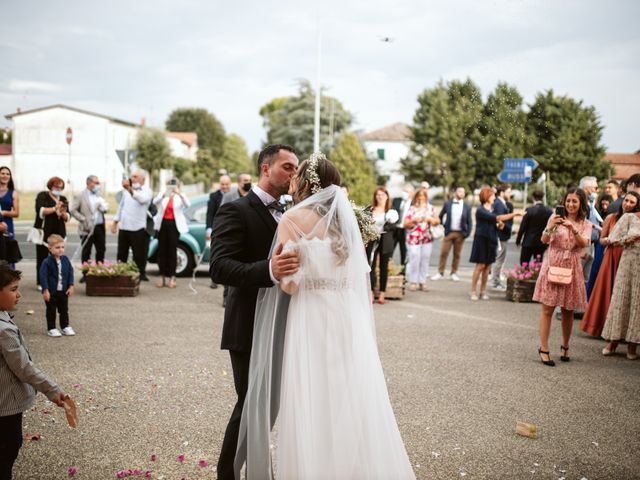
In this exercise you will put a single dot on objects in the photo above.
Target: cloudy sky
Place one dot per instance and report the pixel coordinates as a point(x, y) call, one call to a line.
point(142, 58)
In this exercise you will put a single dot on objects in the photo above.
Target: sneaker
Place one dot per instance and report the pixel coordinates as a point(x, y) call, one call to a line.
point(499, 288)
point(455, 277)
point(437, 276)
point(68, 331)
point(54, 332)
point(484, 296)
point(473, 297)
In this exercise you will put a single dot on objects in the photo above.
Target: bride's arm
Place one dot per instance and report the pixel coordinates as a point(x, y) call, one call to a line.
point(288, 238)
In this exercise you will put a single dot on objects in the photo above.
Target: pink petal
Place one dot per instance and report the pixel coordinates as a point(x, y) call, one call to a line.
point(71, 471)
point(154, 457)
point(180, 458)
point(203, 463)
point(147, 474)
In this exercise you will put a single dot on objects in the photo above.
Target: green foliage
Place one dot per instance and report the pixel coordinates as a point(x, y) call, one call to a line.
point(5, 135)
point(235, 157)
point(356, 171)
point(181, 167)
point(211, 134)
point(567, 139)
point(446, 133)
point(290, 120)
point(154, 152)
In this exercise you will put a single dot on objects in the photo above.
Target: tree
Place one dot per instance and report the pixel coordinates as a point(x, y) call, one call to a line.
point(356, 171)
point(235, 157)
point(503, 133)
point(567, 139)
point(290, 120)
point(5, 136)
point(154, 152)
point(445, 134)
point(211, 134)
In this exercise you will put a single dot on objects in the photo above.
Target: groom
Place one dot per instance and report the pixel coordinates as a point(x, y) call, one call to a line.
point(243, 231)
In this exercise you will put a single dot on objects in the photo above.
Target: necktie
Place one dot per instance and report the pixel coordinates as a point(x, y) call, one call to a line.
point(277, 206)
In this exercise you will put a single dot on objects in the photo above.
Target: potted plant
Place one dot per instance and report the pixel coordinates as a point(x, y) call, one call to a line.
point(111, 279)
point(521, 281)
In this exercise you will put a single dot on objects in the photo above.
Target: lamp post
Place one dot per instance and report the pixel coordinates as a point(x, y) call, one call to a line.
point(316, 118)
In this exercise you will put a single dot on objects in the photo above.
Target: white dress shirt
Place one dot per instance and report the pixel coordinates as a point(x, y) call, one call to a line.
point(132, 210)
point(267, 199)
point(456, 215)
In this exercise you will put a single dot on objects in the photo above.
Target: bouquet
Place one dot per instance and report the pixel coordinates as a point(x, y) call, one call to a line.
point(526, 271)
point(110, 269)
point(366, 224)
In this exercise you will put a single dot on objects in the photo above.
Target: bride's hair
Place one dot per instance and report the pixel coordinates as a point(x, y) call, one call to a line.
point(321, 173)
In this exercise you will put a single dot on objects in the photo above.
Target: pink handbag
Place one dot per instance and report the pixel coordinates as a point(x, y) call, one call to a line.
point(560, 275)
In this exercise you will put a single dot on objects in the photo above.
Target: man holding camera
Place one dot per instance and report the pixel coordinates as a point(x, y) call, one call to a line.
point(130, 222)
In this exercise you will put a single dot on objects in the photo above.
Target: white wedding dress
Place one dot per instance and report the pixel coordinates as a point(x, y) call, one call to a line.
point(335, 420)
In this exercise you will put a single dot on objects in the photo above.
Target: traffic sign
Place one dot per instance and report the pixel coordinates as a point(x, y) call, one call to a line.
point(69, 136)
point(519, 164)
point(515, 176)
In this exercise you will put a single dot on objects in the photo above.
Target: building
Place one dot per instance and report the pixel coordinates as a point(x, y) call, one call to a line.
point(624, 164)
point(99, 145)
point(388, 145)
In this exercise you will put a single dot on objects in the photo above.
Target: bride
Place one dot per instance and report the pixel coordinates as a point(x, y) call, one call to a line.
point(315, 365)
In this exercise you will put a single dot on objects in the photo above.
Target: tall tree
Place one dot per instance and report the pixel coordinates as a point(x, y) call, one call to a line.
point(290, 120)
point(446, 134)
point(211, 134)
point(568, 138)
point(154, 152)
point(503, 133)
point(356, 171)
point(235, 157)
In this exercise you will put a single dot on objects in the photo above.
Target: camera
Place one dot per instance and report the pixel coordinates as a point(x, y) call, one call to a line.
point(560, 210)
point(173, 182)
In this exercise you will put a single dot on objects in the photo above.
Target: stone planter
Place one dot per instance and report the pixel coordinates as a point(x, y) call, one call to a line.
point(119, 286)
point(520, 290)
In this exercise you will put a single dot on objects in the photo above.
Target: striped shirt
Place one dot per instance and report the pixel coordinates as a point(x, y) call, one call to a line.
point(19, 377)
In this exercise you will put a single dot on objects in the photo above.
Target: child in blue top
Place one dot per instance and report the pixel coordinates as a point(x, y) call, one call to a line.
point(56, 279)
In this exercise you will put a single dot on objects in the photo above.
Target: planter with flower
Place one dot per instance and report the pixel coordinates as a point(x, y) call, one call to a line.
point(109, 279)
point(521, 281)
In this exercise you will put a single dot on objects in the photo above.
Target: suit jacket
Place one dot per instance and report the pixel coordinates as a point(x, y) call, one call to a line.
point(399, 204)
point(81, 210)
point(499, 208)
point(533, 223)
point(466, 224)
point(179, 202)
point(243, 231)
point(215, 199)
point(49, 273)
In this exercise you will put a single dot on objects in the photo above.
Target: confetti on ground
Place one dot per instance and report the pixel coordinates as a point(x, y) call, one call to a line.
point(29, 438)
point(29, 312)
point(435, 454)
point(595, 443)
point(71, 471)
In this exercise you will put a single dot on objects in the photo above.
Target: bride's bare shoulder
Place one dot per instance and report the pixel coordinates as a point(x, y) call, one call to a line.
point(304, 218)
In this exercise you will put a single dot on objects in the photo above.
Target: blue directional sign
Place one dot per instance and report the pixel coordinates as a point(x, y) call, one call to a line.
point(519, 164)
point(517, 170)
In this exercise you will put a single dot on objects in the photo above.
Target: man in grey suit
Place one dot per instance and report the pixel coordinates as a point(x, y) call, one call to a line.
point(89, 207)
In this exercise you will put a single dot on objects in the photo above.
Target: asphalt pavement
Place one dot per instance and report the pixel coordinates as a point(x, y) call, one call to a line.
point(149, 379)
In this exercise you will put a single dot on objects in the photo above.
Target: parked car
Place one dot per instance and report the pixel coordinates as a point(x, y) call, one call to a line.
point(193, 247)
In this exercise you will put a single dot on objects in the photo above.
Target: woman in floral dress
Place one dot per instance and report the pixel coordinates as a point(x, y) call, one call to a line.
point(417, 223)
point(567, 237)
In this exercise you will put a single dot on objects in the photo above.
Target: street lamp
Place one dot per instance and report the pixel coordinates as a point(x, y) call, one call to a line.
point(316, 118)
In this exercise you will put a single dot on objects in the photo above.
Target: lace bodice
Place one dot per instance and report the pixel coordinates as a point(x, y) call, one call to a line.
point(319, 269)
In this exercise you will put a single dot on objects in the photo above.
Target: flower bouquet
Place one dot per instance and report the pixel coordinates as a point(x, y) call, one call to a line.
point(521, 281)
point(366, 223)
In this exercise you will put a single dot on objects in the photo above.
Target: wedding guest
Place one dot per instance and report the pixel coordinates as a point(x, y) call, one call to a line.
point(9, 200)
point(567, 237)
point(531, 227)
point(52, 214)
point(418, 221)
point(20, 379)
point(631, 184)
point(382, 249)
point(401, 204)
point(485, 241)
point(130, 222)
point(502, 205)
point(242, 189)
point(623, 317)
point(89, 207)
point(601, 208)
point(457, 227)
point(613, 189)
point(215, 200)
point(600, 298)
point(56, 278)
point(170, 223)
point(603, 204)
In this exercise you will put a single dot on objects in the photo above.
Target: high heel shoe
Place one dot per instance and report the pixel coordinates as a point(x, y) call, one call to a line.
point(548, 363)
point(565, 357)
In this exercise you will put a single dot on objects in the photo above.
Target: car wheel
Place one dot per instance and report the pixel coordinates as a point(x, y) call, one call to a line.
point(185, 262)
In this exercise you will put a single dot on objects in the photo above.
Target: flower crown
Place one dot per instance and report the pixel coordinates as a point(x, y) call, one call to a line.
point(312, 171)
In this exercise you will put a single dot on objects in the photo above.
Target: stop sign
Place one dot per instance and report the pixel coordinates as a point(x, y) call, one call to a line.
point(69, 135)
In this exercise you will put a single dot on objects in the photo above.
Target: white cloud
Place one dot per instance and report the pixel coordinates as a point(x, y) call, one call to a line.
point(21, 86)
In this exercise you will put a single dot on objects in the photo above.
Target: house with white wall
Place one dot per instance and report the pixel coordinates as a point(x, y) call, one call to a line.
point(40, 149)
point(388, 145)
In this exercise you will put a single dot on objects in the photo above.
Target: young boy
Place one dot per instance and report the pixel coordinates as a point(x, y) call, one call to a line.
point(19, 377)
point(56, 279)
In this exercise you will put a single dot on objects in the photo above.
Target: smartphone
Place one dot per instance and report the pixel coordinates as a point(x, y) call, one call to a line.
point(173, 182)
point(560, 210)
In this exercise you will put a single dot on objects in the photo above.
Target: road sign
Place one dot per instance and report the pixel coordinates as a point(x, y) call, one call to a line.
point(514, 176)
point(69, 136)
point(519, 164)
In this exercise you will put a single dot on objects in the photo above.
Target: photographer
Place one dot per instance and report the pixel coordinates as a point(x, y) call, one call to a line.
point(169, 222)
point(52, 213)
point(131, 220)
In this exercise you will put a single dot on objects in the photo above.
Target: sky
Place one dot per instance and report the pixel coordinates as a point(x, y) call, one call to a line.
point(135, 59)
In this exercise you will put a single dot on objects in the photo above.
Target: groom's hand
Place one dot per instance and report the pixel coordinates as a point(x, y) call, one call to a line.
point(284, 264)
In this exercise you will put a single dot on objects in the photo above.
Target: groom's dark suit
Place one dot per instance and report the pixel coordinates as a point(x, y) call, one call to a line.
point(243, 232)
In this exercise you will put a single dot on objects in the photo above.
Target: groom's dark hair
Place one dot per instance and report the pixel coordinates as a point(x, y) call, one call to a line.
point(269, 153)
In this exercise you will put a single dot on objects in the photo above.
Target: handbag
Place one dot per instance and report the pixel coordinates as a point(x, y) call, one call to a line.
point(560, 275)
point(12, 252)
point(36, 236)
point(437, 232)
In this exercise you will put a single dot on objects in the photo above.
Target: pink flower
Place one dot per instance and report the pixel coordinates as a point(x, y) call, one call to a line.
point(524, 264)
point(136, 471)
point(121, 474)
point(154, 457)
point(180, 458)
point(203, 463)
point(147, 474)
point(71, 471)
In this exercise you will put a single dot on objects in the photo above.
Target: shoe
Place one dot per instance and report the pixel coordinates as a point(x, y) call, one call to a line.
point(213, 285)
point(54, 332)
point(68, 331)
point(565, 357)
point(437, 276)
point(607, 353)
point(160, 283)
point(474, 297)
point(548, 363)
point(413, 287)
point(144, 278)
point(454, 277)
point(83, 279)
point(172, 282)
point(632, 356)
point(499, 288)
point(484, 296)
point(423, 287)
point(381, 302)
